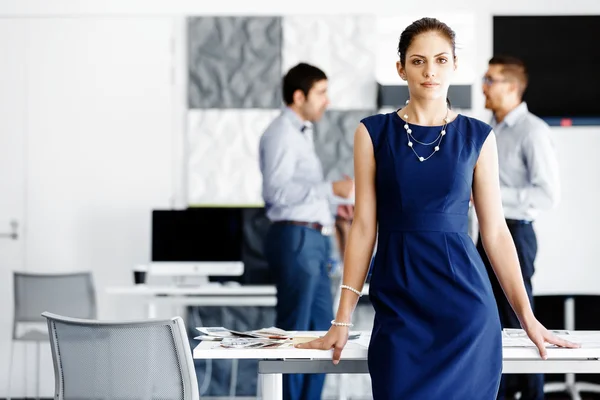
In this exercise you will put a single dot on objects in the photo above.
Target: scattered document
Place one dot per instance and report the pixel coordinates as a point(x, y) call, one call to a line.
point(519, 338)
point(262, 338)
point(257, 339)
point(265, 333)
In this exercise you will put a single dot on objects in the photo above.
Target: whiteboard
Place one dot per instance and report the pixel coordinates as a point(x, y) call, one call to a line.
point(568, 239)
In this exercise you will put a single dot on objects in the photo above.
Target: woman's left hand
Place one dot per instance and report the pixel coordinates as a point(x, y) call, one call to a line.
point(540, 336)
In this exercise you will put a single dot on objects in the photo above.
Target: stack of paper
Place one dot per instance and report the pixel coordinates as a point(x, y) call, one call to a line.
point(258, 339)
point(263, 338)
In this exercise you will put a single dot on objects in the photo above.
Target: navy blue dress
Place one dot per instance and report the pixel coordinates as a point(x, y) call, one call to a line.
point(436, 332)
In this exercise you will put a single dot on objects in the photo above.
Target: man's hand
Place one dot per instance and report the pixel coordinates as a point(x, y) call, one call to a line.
point(345, 211)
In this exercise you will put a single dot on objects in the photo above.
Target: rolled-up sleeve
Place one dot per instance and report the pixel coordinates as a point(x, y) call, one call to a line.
point(278, 162)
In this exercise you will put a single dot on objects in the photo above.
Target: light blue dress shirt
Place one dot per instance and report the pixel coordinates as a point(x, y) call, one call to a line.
point(293, 186)
point(529, 176)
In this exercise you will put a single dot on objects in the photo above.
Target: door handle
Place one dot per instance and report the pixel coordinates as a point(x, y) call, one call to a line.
point(14, 226)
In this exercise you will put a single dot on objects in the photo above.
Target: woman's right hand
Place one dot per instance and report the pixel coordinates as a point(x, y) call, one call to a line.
point(336, 338)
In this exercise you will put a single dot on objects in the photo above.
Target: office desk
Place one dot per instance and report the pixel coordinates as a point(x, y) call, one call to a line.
point(213, 294)
point(205, 295)
point(288, 360)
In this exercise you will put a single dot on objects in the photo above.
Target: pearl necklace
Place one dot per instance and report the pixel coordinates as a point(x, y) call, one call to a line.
point(437, 141)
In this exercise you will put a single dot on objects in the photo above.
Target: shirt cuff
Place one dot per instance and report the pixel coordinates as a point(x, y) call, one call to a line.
point(325, 190)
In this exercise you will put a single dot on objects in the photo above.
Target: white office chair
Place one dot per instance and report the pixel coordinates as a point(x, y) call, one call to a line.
point(70, 294)
point(571, 387)
point(121, 360)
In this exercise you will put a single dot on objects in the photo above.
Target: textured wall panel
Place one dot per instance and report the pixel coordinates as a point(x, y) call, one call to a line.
point(234, 62)
point(334, 141)
point(223, 155)
point(343, 47)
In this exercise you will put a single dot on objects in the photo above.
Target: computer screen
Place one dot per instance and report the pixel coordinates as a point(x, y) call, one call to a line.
point(214, 234)
point(197, 234)
point(561, 56)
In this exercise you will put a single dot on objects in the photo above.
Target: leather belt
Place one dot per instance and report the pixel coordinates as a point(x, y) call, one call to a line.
point(323, 230)
point(517, 222)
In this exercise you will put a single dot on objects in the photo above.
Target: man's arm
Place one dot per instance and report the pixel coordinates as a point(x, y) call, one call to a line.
point(278, 162)
point(543, 191)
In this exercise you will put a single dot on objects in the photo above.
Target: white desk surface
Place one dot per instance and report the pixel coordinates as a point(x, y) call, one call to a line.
point(216, 289)
point(357, 350)
point(354, 359)
point(212, 289)
point(209, 295)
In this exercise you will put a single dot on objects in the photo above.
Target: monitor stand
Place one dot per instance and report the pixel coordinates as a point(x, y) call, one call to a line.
point(195, 273)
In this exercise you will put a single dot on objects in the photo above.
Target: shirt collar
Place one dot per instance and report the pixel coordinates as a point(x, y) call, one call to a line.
point(296, 120)
point(513, 116)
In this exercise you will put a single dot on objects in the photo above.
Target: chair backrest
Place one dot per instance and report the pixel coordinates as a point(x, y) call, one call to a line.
point(71, 294)
point(142, 360)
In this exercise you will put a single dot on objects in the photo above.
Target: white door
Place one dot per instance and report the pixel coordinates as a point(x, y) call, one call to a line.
point(87, 142)
point(13, 125)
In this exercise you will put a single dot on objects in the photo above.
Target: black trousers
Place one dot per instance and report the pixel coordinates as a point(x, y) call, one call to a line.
point(531, 386)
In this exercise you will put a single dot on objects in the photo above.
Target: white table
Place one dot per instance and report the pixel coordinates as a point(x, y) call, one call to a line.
point(213, 294)
point(288, 360)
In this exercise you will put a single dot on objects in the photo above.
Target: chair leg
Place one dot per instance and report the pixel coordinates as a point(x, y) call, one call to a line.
point(10, 368)
point(553, 387)
point(570, 379)
point(588, 387)
point(573, 392)
point(37, 372)
point(572, 388)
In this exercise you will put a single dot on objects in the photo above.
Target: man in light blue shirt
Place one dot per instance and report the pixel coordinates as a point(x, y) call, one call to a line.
point(529, 184)
point(297, 201)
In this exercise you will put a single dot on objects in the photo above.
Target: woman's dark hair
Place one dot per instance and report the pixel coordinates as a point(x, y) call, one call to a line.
point(301, 77)
point(420, 26)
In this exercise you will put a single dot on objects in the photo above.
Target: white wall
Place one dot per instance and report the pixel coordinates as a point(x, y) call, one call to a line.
point(12, 172)
point(102, 122)
point(99, 140)
point(277, 7)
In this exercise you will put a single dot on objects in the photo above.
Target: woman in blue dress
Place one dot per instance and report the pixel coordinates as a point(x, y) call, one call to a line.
point(436, 332)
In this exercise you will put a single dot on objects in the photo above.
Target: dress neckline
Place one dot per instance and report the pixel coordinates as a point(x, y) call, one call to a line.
point(397, 116)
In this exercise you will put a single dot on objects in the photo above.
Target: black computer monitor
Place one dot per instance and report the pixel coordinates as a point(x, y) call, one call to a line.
point(197, 234)
point(560, 54)
point(204, 234)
